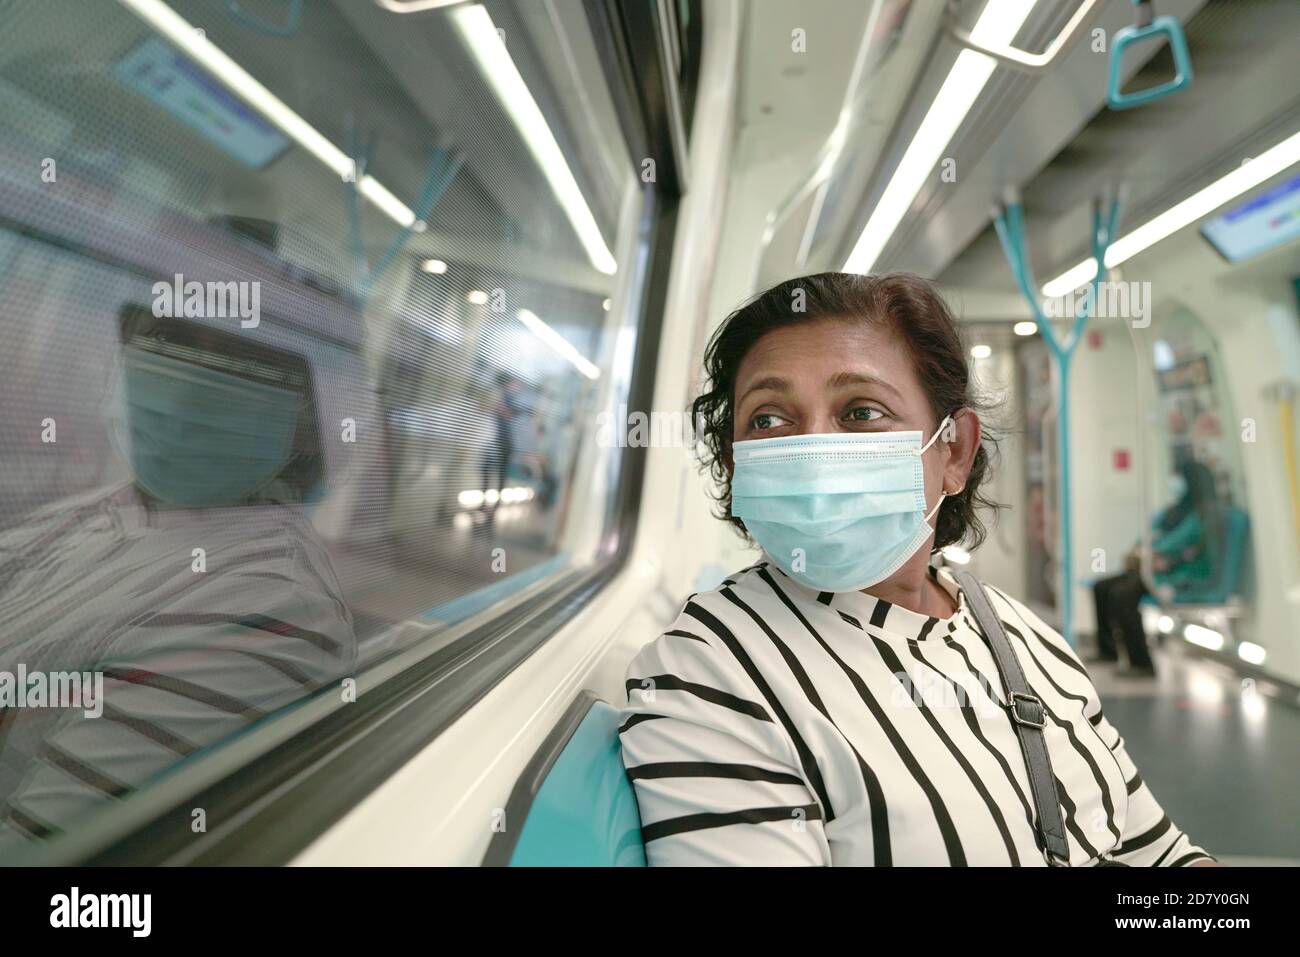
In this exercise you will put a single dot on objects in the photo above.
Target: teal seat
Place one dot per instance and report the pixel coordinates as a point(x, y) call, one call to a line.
point(573, 806)
point(1225, 584)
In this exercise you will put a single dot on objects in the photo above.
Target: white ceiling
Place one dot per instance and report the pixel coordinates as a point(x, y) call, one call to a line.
point(1245, 96)
point(1051, 136)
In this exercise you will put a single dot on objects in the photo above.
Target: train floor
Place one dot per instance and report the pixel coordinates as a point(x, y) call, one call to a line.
point(1218, 754)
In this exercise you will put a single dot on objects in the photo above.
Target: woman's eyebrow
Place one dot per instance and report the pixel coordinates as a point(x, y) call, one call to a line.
point(774, 383)
point(841, 379)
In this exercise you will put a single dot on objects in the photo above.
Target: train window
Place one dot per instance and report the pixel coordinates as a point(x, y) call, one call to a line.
point(306, 323)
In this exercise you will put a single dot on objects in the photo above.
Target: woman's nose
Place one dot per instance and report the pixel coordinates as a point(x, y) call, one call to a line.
point(821, 423)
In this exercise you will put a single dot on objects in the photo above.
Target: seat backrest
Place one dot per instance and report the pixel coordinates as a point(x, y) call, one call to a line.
point(1236, 533)
point(577, 806)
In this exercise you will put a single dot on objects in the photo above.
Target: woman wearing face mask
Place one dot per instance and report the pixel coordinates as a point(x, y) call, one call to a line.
point(841, 701)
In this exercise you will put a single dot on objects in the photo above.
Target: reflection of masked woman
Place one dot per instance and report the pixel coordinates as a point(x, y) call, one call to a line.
point(207, 418)
point(204, 603)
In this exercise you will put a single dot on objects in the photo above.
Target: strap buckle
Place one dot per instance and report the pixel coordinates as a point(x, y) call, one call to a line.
point(1033, 715)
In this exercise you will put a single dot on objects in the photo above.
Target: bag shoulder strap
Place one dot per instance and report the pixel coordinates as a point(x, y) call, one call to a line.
point(1029, 717)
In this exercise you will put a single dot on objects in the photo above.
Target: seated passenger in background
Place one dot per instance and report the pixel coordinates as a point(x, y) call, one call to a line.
point(836, 703)
point(200, 590)
point(1182, 556)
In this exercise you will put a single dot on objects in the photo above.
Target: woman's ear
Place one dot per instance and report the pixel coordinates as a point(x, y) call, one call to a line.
point(964, 433)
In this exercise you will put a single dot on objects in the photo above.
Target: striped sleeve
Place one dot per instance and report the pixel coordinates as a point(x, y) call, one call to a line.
point(181, 680)
point(1149, 838)
point(716, 778)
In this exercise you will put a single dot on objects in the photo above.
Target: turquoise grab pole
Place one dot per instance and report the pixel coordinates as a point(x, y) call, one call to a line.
point(438, 176)
point(1009, 223)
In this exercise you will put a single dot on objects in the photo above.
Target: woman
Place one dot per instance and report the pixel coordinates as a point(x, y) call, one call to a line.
point(1183, 555)
point(199, 591)
point(835, 703)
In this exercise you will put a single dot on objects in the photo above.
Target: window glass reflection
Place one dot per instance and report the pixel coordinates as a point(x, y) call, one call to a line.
point(303, 337)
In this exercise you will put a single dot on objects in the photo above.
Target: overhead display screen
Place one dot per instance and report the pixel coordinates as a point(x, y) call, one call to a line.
point(1257, 225)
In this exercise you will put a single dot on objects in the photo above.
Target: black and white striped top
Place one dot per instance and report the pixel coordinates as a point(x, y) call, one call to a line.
point(101, 582)
point(773, 724)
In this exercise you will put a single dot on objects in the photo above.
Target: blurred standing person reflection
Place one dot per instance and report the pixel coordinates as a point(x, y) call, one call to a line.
point(1183, 555)
point(507, 406)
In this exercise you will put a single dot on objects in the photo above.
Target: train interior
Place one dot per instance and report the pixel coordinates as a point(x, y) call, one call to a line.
point(348, 347)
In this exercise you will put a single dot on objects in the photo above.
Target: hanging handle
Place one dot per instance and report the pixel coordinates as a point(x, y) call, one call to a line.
point(1017, 58)
point(1147, 27)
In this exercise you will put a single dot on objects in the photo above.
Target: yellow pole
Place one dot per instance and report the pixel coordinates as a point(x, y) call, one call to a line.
point(1286, 397)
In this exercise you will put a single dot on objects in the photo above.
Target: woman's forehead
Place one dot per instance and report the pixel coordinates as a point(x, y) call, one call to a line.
point(829, 352)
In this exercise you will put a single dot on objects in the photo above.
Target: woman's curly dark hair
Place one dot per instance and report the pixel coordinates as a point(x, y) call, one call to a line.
point(912, 308)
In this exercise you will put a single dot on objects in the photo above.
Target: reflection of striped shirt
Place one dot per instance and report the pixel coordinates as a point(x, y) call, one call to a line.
point(772, 724)
point(189, 657)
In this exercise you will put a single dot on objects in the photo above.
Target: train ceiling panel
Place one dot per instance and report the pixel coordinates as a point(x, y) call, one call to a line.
point(1019, 124)
point(1245, 98)
point(856, 114)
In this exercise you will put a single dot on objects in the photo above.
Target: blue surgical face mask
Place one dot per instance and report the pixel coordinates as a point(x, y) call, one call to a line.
point(837, 512)
point(199, 437)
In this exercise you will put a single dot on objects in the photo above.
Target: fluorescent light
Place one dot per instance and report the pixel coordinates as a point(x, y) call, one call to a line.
point(476, 498)
point(435, 266)
point(1026, 328)
point(998, 25)
point(980, 352)
point(240, 82)
point(1166, 625)
point(488, 49)
point(605, 304)
point(477, 297)
point(558, 343)
point(1200, 204)
point(1071, 279)
point(1205, 637)
point(1250, 652)
point(414, 6)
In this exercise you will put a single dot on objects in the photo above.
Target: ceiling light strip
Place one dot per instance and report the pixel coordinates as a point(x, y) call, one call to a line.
point(240, 82)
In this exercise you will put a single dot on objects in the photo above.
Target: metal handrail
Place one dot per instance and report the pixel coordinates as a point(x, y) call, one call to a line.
point(1014, 57)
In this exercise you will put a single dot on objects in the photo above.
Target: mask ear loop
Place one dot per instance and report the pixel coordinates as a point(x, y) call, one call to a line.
point(937, 432)
point(944, 493)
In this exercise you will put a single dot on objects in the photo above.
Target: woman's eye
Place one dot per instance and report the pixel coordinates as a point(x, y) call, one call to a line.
point(765, 420)
point(864, 413)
